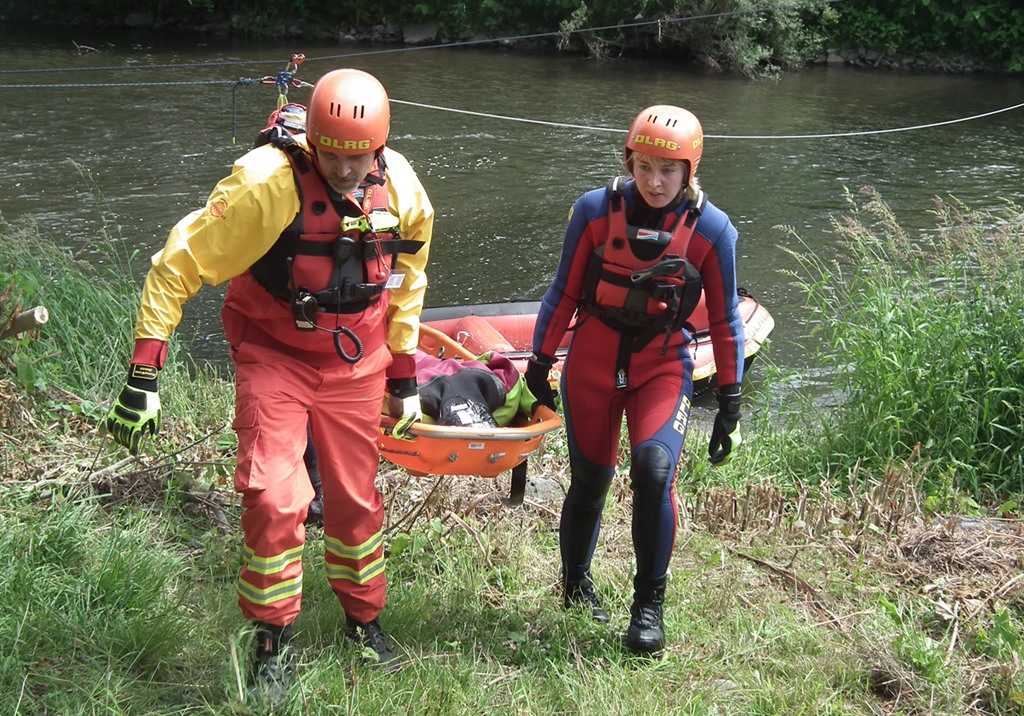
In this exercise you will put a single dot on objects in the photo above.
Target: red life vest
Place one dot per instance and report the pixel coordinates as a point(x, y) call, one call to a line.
point(327, 274)
point(639, 280)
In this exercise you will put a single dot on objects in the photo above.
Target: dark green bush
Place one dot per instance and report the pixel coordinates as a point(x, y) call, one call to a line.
point(745, 36)
point(989, 30)
point(748, 36)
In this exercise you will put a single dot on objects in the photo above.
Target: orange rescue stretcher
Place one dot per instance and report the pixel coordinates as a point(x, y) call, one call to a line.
point(468, 331)
point(452, 450)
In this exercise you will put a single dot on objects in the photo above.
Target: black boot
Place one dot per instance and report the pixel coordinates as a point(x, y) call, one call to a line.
point(315, 513)
point(646, 632)
point(371, 636)
point(273, 668)
point(582, 594)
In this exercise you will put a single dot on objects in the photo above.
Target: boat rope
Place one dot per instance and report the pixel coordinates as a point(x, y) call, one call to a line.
point(396, 50)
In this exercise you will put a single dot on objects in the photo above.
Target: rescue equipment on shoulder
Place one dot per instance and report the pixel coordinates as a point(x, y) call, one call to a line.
point(289, 119)
point(639, 282)
point(325, 261)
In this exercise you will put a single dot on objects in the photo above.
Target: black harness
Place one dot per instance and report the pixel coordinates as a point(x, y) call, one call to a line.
point(670, 280)
point(349, 251)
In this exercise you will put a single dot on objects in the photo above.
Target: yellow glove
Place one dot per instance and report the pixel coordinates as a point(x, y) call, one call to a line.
point(136, 410)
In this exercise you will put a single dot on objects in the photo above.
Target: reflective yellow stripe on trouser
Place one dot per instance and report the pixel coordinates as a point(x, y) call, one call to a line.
point(264, 569)
point(281, 590)
point(359, 576)
point(355, 553)
point(270, 565)
point(340, 549)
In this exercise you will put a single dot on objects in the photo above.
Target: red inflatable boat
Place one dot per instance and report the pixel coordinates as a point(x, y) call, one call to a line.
point(508, 328)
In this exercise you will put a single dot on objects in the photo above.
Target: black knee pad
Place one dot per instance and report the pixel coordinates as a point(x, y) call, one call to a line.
point(651, 470)
point(589, 485)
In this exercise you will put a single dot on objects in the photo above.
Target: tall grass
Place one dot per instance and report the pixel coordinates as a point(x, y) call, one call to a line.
point(86, 346)
point(925, 337)
point(91, 608)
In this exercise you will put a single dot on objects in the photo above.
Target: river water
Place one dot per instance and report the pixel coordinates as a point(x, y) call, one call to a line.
point(130, 161)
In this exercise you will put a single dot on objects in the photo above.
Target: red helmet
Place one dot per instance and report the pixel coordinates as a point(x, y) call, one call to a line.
point(668, 132)
point(348, 113)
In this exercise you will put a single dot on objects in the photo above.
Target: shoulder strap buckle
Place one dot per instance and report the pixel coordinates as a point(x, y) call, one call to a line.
point(282, 139)
point(615, 191)
point(694, 212)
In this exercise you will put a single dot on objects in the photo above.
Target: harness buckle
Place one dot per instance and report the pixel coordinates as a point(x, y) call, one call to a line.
point(621, 380)
point(355, 223)
point(343, 249)
point(370, 291)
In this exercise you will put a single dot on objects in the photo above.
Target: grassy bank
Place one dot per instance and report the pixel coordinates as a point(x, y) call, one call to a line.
point(790, 593)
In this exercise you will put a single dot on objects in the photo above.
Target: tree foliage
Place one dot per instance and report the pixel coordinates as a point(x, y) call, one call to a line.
point(749, 36)
point(989, 30)
point(746, 36)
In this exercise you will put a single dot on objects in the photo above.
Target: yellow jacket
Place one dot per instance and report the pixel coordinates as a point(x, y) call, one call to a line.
point(243, 218)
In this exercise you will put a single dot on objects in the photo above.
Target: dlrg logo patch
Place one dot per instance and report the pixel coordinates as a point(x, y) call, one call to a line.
point(346, 144)
point(682, 416)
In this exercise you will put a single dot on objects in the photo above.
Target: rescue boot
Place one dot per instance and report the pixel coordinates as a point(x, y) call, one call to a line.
point(315, 513)
point(582, 594)
point(371, 636)
point(273, 667)
point(646, 633)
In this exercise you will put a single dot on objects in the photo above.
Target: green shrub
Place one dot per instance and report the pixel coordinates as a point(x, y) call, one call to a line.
point(86, 346)
point(925, 337)
point(745, 36)
point(990, 30)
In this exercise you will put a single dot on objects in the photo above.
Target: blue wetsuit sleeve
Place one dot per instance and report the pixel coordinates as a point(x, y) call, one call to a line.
point(562, 297)
point(718, 272)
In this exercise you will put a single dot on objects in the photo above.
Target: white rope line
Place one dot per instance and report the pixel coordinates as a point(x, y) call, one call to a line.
point(820, 135)
point(867, 132)
point(508, 118)
point(93, 85)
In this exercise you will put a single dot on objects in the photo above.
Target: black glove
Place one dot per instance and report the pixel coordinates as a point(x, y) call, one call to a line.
point(537, 370)
point(726, 434)
point(403, 404)
point(402, 387)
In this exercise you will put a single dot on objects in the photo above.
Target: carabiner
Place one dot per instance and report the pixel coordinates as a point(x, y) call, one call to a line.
point(665, 267)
